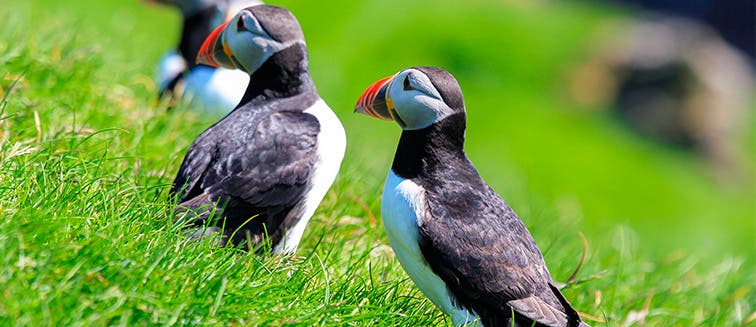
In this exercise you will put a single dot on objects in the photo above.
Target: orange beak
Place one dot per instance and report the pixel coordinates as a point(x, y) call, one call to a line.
point(214, 51)
point(375, 101)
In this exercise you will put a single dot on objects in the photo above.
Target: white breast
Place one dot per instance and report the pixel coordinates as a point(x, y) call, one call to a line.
point(170, 65)
point(214, 90)
point(403, 201)
point(331, 147)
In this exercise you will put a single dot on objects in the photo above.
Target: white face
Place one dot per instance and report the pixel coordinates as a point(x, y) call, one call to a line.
point(417, 104)
point(250, 44)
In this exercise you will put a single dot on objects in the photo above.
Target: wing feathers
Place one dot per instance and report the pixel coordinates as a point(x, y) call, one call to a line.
point(539, 311)
point(261, 165)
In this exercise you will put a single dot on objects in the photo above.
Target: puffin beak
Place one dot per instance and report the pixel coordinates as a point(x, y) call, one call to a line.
point(214, 51)
point(375, 101)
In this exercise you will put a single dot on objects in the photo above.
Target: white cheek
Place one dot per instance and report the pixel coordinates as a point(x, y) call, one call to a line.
point(267, 47)
point(418, 115)
point(427, 103)
point(252, 52)
point(418, 110)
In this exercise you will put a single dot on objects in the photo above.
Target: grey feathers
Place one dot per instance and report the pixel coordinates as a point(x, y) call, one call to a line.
point(471, 238)
point(253, 163)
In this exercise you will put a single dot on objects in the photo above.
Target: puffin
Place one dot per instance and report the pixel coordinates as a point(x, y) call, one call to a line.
point(458, 240)
point(209, 90)
point(256, 176)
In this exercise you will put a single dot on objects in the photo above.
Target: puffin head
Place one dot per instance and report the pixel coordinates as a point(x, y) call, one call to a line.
point(415, 97)
point(251, 37)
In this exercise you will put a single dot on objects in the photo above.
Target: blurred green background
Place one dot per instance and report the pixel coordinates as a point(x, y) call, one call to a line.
point(562, 168)
point(511, 58)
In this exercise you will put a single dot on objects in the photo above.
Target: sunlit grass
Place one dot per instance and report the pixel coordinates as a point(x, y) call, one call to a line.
point(86, 159)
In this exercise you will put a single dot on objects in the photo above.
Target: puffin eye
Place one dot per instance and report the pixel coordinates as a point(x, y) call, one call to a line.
point(406, 83)
point(247, 23)
point(240, 25)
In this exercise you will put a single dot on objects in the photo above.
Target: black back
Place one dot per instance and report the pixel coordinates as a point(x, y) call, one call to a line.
point(471, 238)
point(258, 160)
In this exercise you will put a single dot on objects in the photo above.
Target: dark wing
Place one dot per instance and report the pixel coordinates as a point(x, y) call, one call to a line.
point(256, 165)
point(484, 253)
point(196, 162)
point(273, 166)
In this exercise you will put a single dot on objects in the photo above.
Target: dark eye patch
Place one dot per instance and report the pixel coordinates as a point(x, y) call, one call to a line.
point(240, 25)
point(406, 83)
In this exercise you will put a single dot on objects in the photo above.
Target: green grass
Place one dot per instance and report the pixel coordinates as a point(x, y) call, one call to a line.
point(86, 159)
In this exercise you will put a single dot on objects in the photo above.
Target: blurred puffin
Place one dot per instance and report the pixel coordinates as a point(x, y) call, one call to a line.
point(461, 244)
point(207, 89)
point(266, 166)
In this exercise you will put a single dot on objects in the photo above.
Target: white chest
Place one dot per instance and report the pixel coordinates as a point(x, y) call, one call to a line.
point(214, 90)
point(171, 65)
point(331, 147)
point(403, 202)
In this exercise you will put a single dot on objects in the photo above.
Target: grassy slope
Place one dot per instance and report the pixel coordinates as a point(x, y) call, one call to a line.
point(85, 236)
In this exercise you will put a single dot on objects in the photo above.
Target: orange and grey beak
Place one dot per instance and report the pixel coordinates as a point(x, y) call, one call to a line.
point(375, 101)
point(215, 52)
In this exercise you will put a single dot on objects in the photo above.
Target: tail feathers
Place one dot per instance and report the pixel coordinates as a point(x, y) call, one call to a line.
point(573, 318)
point(198, 210)
point(539, 312)
point(197, 215)
point(219, 239)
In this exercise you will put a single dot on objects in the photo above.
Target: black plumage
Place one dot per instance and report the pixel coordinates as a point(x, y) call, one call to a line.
point(257, 161)
point(471, 238)
point(467, 234)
